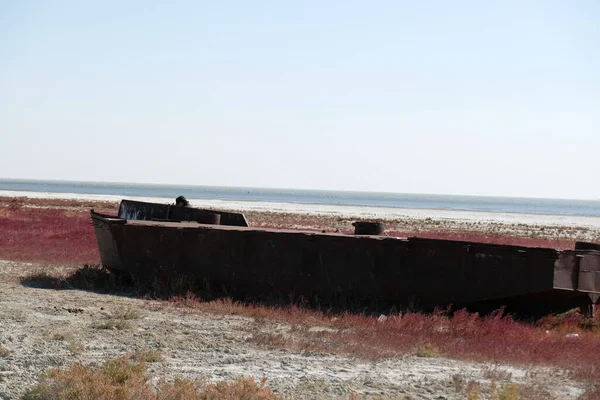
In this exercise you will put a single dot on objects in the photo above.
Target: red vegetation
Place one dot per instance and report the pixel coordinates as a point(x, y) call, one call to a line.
point(61, 234)
point(461, 335)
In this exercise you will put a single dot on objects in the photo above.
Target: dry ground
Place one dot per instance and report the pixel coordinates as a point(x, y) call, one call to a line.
point(47, 328)
point(44, 328)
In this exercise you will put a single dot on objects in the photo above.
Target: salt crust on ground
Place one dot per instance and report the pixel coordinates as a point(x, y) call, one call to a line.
point(40, 333)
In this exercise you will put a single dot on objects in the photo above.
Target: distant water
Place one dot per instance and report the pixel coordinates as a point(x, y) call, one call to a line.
point(395, 200)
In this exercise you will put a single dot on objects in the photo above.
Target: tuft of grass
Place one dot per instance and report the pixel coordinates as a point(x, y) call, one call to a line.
point(242, 388)
point(119, 320)
point(496, 374)
point(4, 352)
point(75, 347)
point(63, 336)
point(268, 339)
point(427, 350)
point(114, 324)
point(121, 370)
point(127, 314)
point(147, 356)
point(124, 379)
point(118, 379)
point(505, 392)
point(570, 321)
point(473, 390)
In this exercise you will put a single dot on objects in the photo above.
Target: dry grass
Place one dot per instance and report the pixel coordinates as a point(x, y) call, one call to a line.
point(570, 322)
point(124, 379)
point(427, 350)
point(119, 320)
point(63, 336)
point(75, 347)
point(473, 390)
point(4, 352)
point(117, 379)
point(459, 335)
point(127, 314)
point(148, 356)
point(113, 324)
point(240, 389)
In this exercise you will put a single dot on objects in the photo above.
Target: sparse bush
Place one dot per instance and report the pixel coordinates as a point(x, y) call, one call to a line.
point(124, 379)
point(97, 278)
point(122, 369)
point(118, 379)
point(570, 321)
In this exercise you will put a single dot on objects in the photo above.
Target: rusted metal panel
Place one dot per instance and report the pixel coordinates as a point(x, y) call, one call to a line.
point(589, 273)
point(145, 211)
point(468, 271)
point(587, 246)
point(566, 271)
point(368, 228)
point(107, 243)
point(192, 214)
point(129, 209)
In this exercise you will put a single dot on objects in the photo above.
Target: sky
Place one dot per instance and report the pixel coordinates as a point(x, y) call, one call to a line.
point(449, 97)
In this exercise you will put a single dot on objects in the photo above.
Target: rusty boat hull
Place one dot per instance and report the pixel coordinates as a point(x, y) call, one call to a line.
point(341, 270)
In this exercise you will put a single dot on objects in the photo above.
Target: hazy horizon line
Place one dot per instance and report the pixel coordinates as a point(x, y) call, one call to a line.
point(290, 189)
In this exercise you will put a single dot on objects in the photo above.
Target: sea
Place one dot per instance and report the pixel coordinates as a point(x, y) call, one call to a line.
point(315, 197)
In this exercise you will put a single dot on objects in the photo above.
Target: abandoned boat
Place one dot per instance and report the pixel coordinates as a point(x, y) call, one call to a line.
point(151, 241)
